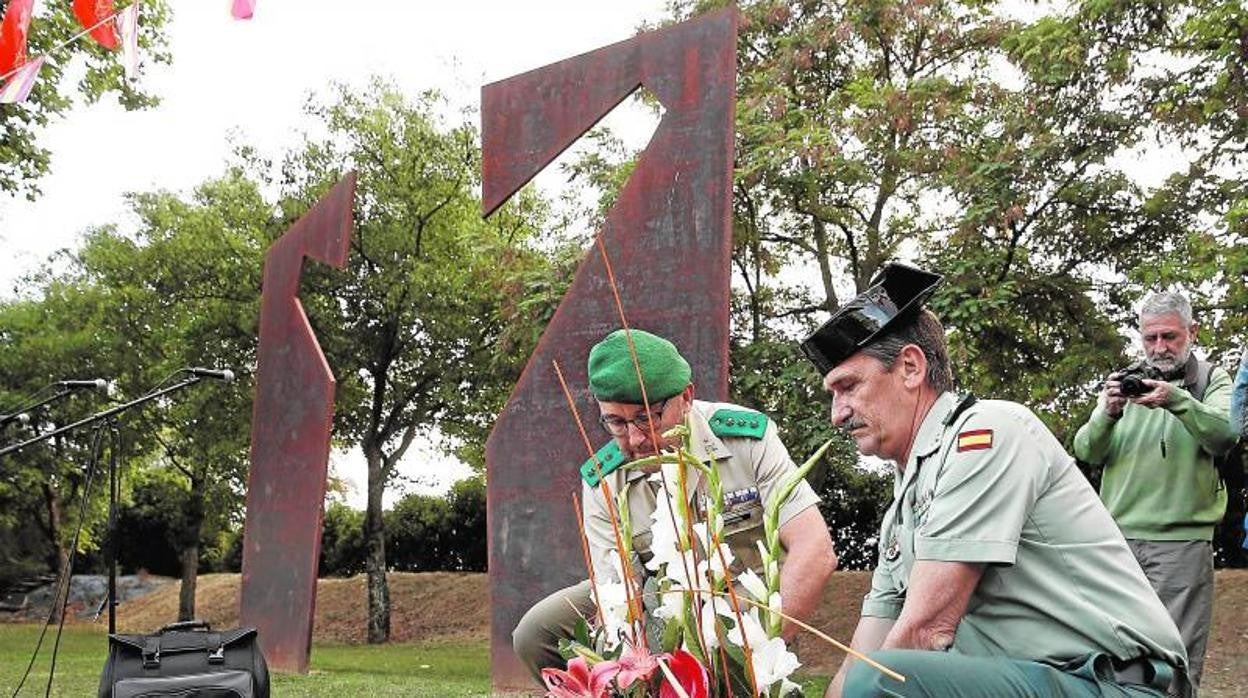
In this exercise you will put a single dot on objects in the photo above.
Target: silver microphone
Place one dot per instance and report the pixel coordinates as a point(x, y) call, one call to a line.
point(98, 383)
point(224, 374)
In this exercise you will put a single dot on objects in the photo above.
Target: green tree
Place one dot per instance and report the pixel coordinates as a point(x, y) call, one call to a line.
point(185, 289)
point(23, 161)
point(48, 339)
point(424, 329)
point(342, 542)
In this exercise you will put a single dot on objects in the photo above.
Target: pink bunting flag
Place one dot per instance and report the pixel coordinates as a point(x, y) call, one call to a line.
point(244, 9)
point(18, 86)
point(128, 29)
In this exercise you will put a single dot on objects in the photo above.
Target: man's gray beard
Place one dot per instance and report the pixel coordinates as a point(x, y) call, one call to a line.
point(1168, 365)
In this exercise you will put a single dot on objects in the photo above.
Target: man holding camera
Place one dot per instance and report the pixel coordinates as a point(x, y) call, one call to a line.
point(1157, 443)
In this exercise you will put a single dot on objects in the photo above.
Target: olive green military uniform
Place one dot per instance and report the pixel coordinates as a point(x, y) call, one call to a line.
point(1062, 607)
point(751, 461)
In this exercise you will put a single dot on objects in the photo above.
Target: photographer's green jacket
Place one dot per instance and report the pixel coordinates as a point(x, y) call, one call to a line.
point(1160, 482)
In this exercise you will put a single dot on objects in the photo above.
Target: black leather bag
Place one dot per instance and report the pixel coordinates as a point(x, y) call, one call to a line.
point(187, 660)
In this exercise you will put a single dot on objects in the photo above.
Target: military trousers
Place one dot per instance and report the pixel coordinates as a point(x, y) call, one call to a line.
point(535, 639)
point(1181, 572)
point(946, 674)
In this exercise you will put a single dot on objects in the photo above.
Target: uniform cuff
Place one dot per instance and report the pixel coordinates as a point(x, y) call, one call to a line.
point(880, 608)
point(965, 550)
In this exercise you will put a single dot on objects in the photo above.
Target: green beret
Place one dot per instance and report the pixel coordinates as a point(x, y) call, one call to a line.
point(613, 377)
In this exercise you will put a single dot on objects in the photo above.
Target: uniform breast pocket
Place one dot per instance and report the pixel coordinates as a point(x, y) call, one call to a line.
point(921, 507)
point(742, 518)
point(897, 555)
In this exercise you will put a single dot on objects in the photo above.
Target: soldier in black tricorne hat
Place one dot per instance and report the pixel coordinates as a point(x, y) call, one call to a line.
point(1000, 572)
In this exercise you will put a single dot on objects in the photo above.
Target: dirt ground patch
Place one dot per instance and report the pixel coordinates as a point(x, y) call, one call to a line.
point(430, 606)
point(442, 606)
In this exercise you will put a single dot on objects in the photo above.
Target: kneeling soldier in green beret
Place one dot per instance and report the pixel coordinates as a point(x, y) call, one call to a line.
point(750, 459)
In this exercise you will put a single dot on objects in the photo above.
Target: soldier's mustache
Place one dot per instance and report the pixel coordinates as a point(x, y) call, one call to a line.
point(852, 425)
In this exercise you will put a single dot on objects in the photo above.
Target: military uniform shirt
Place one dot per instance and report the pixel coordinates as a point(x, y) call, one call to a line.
point(749, 470)
point(996, 487)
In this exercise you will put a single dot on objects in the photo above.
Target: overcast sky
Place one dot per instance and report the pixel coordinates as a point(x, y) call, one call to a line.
point(251, 78)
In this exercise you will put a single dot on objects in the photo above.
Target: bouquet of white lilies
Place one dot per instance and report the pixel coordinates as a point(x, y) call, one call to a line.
point(691, 628)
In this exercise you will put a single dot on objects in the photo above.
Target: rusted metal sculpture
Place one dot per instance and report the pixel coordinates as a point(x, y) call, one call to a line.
point(669, 240)
point(290, 429)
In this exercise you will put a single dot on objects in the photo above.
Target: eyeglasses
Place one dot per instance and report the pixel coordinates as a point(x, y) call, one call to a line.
point(616, 425)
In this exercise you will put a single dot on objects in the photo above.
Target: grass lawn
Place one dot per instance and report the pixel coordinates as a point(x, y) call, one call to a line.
point(338, 671)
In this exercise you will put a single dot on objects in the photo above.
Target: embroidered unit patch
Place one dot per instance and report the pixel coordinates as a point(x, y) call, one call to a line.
point(976, 440)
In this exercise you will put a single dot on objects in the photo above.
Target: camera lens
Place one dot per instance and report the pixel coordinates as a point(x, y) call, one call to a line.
point(1132, 386)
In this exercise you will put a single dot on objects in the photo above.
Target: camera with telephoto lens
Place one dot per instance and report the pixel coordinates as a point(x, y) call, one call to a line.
point(1131, 379)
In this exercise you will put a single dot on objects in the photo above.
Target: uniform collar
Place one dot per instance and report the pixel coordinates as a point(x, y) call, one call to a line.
point(702, 441)
point(927, 441)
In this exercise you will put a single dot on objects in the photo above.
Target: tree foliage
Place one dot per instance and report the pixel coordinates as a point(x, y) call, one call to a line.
point(23, 160)
point(1002, 148)
point(424, 329)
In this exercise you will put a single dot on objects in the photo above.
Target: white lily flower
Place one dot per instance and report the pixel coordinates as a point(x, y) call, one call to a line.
point(711, 610)
point(773, 603)
point(716, 563)
point(771, 659)
point(663, 539)
point(671, 603)
point(753, 584)
point(614, 599)
point(753, 629)
point(772, 662)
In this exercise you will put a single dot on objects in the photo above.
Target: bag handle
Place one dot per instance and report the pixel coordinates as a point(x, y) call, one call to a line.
point(185, 625)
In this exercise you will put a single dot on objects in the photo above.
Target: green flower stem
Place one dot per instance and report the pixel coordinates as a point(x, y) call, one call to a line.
point(771, 532)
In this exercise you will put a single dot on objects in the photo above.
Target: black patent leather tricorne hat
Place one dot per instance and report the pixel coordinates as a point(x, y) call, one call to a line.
point(894, 295)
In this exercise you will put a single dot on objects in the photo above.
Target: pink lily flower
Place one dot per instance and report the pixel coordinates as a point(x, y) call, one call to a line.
point(580, 681)
point(636, 663)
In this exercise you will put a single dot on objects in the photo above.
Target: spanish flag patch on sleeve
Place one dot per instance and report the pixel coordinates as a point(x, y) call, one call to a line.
point(976, 440)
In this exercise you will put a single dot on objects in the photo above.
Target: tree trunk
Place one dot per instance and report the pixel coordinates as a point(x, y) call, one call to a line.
point(60, 559)
point(53, 528)
point(190, 571)
point(188, 555)
point(375, 564)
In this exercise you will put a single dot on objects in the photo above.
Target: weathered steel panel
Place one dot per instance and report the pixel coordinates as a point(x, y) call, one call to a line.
point(669, 241)
point(290, 427)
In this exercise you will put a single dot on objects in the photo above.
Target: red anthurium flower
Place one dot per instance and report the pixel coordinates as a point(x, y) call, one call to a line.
point(689, 672)
point(636, 663)
point(579, 681)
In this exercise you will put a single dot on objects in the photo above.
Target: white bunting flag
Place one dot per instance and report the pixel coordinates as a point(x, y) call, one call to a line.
point(128, 29)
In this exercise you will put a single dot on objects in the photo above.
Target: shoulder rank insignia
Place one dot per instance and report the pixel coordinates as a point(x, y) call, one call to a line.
point(610, 458)
point(975, 440)
point(747, 423)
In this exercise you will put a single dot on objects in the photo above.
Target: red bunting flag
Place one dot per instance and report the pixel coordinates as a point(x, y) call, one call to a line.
point(13, 34)
point(97, 15)
point(243, 9)
point(18, 86)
